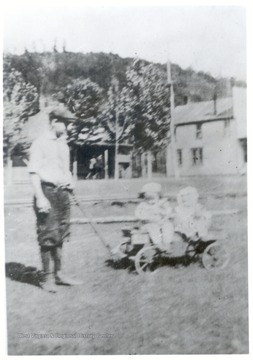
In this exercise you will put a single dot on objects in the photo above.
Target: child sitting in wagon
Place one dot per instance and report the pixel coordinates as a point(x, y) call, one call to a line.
point(155, 215)
point(191, 218)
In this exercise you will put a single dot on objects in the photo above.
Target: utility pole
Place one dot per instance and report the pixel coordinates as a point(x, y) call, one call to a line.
point(106, 164)
point(172, 124)
point(115, 83)
point(149, 164)
point(75, 176)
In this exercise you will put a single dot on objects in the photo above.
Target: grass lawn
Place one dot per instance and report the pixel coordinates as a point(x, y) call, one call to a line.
point(184, 310)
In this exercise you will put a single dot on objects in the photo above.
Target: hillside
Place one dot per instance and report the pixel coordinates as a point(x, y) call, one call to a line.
point(50, 71)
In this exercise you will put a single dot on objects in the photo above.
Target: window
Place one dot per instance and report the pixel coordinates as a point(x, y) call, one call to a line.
point(199, 131)
point(197, 156)
point(180, 157)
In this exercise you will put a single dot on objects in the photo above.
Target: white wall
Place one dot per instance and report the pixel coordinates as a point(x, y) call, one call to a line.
point(220, 149)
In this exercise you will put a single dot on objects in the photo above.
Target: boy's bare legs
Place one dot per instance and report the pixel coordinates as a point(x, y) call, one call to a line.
point(154, 231)
point(167, 235)
point(56, 254)
point(48, 283)
point(45, 259)
point(61, 279)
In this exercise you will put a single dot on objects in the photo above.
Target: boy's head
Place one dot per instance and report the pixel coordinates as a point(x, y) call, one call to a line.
point(188, 197)
point(58, 124)
point(151, 192)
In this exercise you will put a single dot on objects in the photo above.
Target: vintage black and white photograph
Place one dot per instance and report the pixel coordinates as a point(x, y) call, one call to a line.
point(125, 179)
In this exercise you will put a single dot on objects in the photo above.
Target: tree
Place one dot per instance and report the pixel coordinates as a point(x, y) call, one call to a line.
point(115, 119)
point(140, 110)
point(98, 117)
point(149, 109)
point(51, 71)
point(115, 112)
point(21, 100)
point(83, 98)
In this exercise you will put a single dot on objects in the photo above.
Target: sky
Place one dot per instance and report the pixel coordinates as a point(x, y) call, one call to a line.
point(206, 38)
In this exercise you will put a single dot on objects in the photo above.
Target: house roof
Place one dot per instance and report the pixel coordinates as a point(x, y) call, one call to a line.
point(203, 111)
point(226, 108)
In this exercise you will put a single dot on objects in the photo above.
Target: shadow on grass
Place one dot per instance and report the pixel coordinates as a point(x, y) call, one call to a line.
point(126, 263)
point(25, 274)
point(119, 264)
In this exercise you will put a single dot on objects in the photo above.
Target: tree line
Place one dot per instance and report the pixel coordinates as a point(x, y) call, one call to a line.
point(127, 98)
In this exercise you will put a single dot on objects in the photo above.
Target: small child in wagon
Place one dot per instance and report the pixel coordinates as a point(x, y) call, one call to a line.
point(155, 215)
point(191, 218)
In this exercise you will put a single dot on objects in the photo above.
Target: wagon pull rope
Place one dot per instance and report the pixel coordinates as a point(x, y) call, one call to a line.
point(94, 226)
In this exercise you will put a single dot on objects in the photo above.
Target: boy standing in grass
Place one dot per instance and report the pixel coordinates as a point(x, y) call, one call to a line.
point(52, 181)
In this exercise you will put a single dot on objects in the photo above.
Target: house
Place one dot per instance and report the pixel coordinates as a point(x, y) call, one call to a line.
point(210, 137)
point(81, 156)
point(94, 141)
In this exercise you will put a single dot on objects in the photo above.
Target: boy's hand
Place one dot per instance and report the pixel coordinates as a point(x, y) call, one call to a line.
point(43, 204)
point(70, 187)
point(67, 186)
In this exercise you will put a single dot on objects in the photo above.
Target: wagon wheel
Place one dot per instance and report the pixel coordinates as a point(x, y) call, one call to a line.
point(125, 247)
point(145, 259)
point(191, 252)
point(121, 250)
point(215, 257)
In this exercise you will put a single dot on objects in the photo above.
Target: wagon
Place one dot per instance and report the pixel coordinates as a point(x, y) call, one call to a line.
point(139, 249)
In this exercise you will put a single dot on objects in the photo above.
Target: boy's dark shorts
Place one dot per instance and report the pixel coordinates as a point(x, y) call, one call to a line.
point(53, 228)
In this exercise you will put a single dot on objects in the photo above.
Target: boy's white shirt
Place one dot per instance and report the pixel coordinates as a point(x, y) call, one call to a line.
point(194, 212)
point(157, 212)
point(188, 220)
point(50, 159)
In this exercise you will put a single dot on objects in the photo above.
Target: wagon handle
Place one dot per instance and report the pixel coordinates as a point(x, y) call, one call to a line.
point(93, 224)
